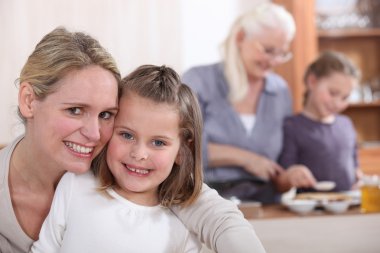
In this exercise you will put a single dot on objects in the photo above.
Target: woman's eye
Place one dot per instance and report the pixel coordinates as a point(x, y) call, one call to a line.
point(158, 143)
point(105, 115)
point(127, 136)
point(270, 50)
point(75, 110)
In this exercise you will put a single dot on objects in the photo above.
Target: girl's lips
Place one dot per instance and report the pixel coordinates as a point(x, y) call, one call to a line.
point(139, 171)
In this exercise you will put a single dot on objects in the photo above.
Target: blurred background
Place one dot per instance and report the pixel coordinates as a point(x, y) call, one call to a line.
point(185, 33)
point(178, 33)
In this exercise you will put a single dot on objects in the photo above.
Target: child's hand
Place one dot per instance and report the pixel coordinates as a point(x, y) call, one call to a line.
point(299, 176)
point(359, 176)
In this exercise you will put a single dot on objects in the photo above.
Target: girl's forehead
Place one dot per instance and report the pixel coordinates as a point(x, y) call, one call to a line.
point(339, 80)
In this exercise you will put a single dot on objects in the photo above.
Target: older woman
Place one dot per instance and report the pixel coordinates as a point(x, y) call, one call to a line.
point(244, 104)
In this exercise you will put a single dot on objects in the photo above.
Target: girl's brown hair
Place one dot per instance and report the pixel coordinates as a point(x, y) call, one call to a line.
point(330, 62)
point(162, 84)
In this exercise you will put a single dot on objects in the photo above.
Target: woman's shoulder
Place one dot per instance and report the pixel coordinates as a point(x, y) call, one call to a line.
point(203, 74)
point(206, 80)
point(206, 69)
point(276, 81)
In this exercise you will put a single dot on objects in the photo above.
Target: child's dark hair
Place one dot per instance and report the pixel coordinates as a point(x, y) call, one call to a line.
point(162, 84)
point(330, 62)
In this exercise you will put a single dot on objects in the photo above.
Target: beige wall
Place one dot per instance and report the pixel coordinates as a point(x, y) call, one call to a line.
point(178, 33)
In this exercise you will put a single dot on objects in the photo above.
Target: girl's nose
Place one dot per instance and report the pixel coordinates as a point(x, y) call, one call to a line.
point(139, 152)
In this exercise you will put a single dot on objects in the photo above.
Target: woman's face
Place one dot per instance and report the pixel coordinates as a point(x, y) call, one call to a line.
point(71, 126)
point(261, 52)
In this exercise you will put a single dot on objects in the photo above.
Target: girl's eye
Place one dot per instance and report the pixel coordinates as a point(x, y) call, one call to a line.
point(105, 115)
point(75, 110)
point(158, 143)
point(127, 136)
point(334, 93)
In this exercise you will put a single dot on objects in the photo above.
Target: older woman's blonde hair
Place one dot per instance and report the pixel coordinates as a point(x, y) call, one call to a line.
point(264, 18)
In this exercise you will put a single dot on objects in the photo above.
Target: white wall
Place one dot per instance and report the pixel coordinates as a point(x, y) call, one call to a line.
point(178, 33)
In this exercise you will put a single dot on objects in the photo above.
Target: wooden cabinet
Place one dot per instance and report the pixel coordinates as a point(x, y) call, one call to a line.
point(362, 45)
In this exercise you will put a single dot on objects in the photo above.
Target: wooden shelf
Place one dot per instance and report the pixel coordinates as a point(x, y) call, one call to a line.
point(369, 160)
point(349, 32)
point(363, 105)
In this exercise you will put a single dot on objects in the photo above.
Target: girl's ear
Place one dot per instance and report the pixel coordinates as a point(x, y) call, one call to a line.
point(26, 97)
point(311, 81)
point(178, 158)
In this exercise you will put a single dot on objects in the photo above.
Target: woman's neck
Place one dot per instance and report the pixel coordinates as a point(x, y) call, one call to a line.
point(248, 104)
point(30, 172)
point(32, 185)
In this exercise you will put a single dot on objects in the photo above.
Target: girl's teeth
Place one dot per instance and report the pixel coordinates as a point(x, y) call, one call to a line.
point(139, 171)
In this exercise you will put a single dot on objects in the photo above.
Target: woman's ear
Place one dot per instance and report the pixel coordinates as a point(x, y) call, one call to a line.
point(26, 97)
point(240, 36)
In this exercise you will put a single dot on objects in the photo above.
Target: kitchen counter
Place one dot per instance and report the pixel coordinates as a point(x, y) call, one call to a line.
point(281, 230)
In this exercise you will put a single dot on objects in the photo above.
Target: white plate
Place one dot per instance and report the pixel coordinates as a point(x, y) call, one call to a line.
point(324, 186)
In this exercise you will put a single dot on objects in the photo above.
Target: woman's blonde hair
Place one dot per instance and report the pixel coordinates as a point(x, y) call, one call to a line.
point(264, 18)
point(163, 85)
point(58, 53)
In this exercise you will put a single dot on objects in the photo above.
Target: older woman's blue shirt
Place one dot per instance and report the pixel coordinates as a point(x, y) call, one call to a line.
point(222, 124)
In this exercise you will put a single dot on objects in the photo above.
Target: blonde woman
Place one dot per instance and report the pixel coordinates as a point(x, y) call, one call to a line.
point(244, 103)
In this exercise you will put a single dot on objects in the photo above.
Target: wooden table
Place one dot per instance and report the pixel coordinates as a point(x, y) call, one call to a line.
point(281, 230)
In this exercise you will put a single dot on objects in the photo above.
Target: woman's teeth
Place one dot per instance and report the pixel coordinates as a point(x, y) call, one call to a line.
point(79, 149)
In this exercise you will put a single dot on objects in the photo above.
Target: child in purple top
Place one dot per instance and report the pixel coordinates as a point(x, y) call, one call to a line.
point(320, 143)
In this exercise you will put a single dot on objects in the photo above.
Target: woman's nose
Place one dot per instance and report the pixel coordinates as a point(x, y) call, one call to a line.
point(91, 129)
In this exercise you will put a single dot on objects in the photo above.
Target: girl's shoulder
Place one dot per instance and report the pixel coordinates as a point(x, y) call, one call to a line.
point(78, 181)
point(344, 121)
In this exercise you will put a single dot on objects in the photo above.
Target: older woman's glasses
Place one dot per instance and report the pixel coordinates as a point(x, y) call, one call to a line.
point(274, 54)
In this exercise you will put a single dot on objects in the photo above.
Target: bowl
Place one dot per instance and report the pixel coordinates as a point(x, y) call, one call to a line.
point(336, 206)
point(301, 206)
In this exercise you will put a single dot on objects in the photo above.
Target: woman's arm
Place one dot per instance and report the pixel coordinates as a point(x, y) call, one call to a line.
point(255, 164)
point(219, 224)
point(5, 247)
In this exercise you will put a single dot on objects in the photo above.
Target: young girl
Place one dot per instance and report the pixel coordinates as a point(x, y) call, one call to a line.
point(320, 143)
point(152, 162)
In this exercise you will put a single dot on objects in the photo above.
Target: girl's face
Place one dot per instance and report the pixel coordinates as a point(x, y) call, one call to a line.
point(329, 95)
point(74, 123)
point(260, 53)
point(143, 147)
